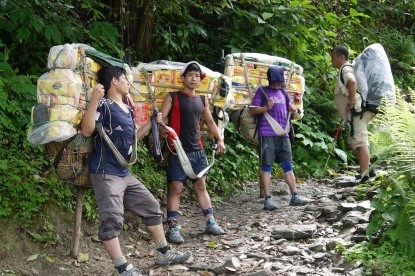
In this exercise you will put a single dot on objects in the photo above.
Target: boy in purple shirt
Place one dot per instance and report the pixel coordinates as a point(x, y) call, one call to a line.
point(273, 106)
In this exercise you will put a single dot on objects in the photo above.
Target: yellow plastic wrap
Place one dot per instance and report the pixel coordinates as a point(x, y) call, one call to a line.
point(63, 56)
point(60, 126)
point(248, 75)
point(55, 85)
point(63, 121)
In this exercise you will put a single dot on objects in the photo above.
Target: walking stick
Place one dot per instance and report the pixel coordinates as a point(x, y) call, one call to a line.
point(154, 125)
point(76, 235)
point(336, 136)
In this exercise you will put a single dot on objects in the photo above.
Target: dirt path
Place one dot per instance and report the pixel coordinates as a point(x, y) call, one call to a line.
point(249, 238)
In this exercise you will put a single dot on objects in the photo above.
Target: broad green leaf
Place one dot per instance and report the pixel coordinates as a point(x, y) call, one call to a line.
point(258, 30)
point(3, 165)
point(32, 257)
point(260, 21)
point(355, 13)
point(267, 15)
point(295, 3)
point(37, 23)
point(52, 34)
point(82, 257)
point(331, 34)
point(341, 154)
point(389, 216)
point(211, 244)
point(51, 259)
point(22, 34)
point(331, 18)
point(373, 227)
point(40, 238)
point(6, 69)
point(307, 142)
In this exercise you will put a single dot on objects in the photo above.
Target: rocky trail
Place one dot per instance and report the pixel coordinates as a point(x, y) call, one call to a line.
point(286, 241)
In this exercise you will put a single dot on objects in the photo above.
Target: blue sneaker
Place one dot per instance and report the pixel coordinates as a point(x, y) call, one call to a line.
point(296, 200)
point(173, 235)
point(212, 228)
point(269, 204)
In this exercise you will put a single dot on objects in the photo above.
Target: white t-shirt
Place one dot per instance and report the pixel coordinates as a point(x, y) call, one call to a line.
point(341, 94)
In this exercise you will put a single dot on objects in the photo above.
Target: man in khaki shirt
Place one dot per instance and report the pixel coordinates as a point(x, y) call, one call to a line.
point(349, 102)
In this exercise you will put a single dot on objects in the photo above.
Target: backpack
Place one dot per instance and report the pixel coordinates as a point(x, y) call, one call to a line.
point(247, 124)
point(374, 78)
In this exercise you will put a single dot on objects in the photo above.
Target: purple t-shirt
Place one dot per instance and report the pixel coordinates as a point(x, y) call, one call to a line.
point(278, 111)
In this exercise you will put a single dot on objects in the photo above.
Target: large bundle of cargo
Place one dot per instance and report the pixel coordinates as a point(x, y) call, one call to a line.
point(63, 96)
point(158, 78)
point(248, 71)
point(153, 81)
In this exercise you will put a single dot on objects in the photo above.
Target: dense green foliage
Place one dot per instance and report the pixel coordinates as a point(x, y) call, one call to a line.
point(183, 30)
point(392, 225)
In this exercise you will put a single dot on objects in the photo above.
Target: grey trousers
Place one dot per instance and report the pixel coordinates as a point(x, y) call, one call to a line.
point(113, 194)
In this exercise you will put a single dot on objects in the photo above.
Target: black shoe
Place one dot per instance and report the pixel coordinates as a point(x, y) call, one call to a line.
point(364, 179)
point(372, 173)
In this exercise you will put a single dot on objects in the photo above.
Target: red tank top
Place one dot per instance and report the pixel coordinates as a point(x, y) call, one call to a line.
point(185, 118)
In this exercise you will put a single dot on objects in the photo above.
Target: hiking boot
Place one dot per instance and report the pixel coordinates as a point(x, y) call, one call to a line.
point(372, 173)
point(173, 235)
point(212, 228)
point(296, 200)
point(364, 179)
point(129, 271)
point(269, 204)
point(172, 256)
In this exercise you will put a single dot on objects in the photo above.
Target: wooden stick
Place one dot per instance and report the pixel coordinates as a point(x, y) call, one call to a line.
point(173, 87)
point(264, 64)
point(78, 220)
point(85, 74)
point(246, 74)
point(253, 76)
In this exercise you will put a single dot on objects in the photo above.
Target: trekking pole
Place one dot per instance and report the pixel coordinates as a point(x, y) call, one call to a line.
point(336, 136)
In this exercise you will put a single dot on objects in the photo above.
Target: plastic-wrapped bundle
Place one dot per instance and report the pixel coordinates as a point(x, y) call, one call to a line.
point(59, 86)
point(374, 76)
point(53, 124)
point(63, 56)
point(248, 71)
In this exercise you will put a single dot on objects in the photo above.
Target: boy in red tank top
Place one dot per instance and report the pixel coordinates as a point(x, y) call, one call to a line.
point(185, 113)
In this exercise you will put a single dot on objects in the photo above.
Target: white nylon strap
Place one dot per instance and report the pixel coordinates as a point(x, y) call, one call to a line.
point(276, 126)
point(186, 165)
point(117, 154)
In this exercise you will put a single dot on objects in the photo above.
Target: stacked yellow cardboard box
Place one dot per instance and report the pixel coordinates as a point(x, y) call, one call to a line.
point(248, 71)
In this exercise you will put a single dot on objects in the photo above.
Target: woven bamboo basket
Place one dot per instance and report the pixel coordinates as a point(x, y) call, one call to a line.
point(71, 160)
point(246, 124)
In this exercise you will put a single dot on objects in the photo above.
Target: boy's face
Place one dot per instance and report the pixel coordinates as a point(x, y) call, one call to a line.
point(122, 84)
point(336, 59)
point(192, 79)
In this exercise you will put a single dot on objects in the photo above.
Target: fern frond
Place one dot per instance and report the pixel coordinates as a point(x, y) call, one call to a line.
point(393, 136)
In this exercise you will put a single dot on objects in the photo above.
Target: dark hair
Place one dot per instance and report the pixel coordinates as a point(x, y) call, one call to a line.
point(106, 73)
point(192, 67)
point(341, 50)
